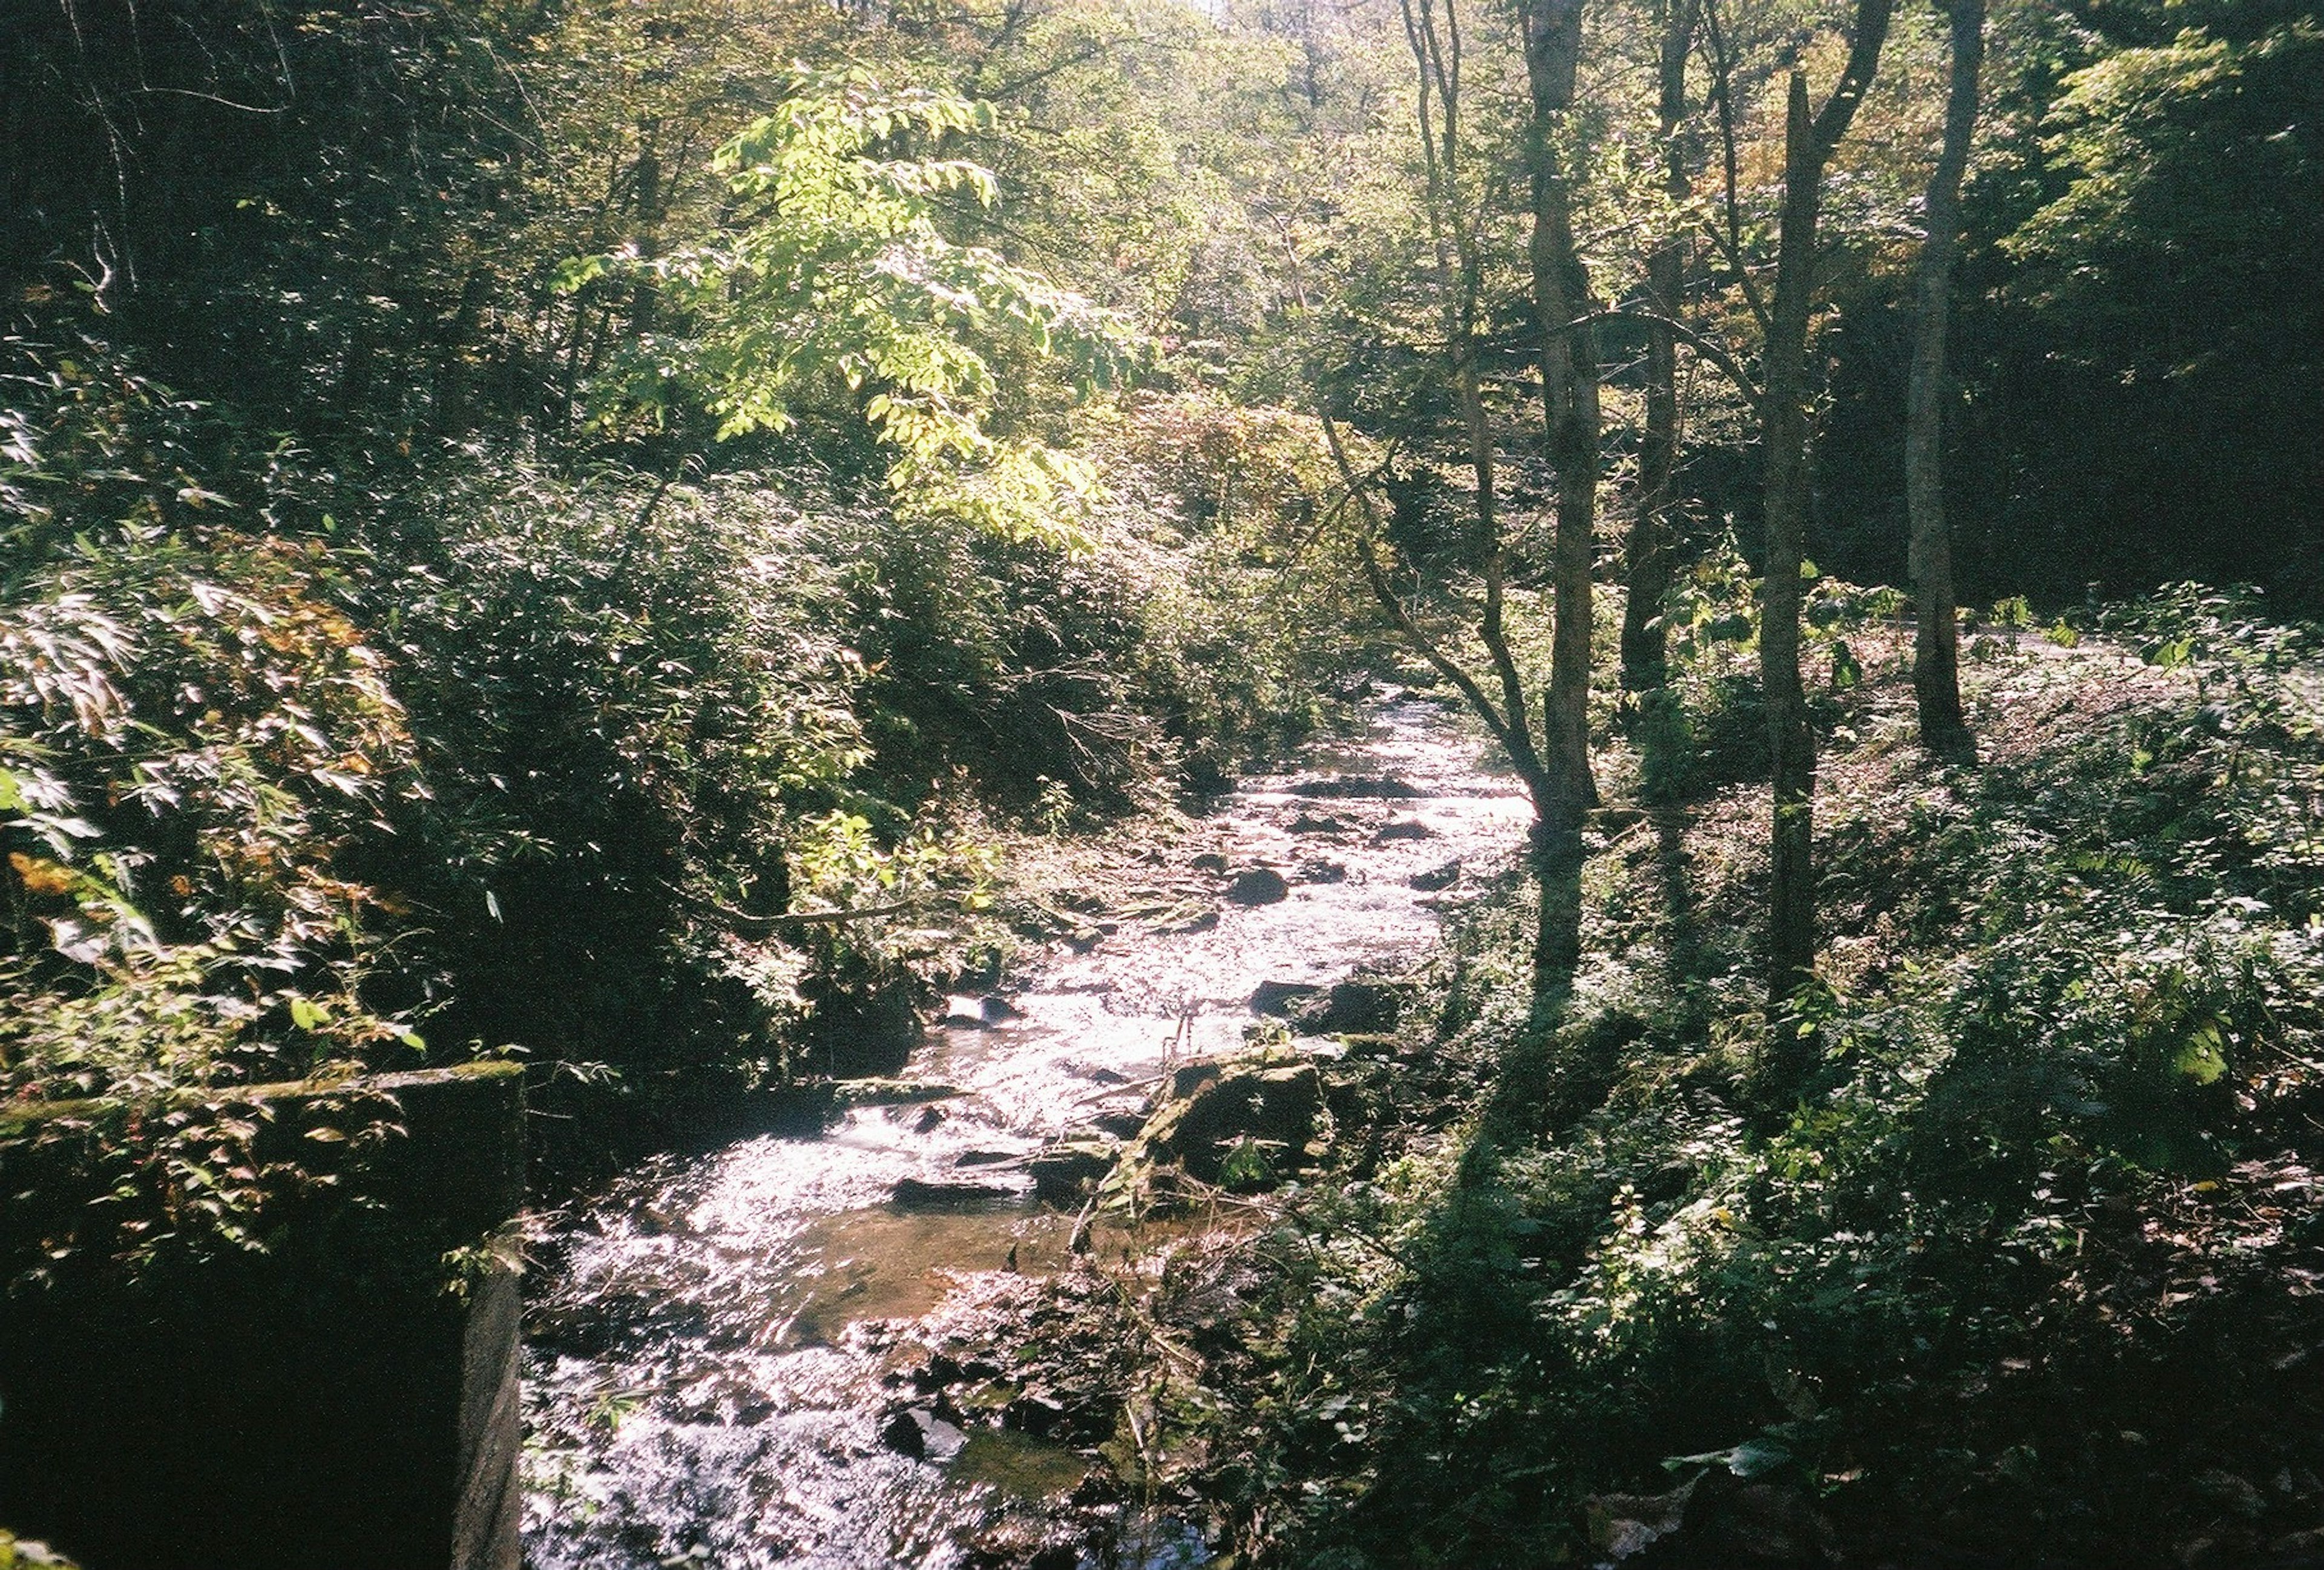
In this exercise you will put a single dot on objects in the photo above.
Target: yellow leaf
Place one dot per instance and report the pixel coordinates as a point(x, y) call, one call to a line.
point(41, 876)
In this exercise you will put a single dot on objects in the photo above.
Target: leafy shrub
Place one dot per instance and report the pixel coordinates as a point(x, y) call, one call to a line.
point(631, 706)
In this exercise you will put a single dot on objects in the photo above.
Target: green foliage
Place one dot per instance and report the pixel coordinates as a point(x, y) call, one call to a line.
point(629, 702)
point(193, 735)
point(838, 279)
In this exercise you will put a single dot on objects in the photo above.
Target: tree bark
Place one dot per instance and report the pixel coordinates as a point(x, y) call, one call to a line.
point(1809, 143)
point(1650, 557)
point(1569, 386)
point(1936, 652)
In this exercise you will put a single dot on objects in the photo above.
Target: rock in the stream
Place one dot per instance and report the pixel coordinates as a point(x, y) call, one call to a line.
point(1064, 1173)
point(1034, 1413)
point(1376, 787)
point(1365, 1007)
point(1281, 997)
point(1122, 1122)
point(1258, 886)
point(1202, 923)
point(1276, 1104)
point(1321, 872)
point(915, 1194)
point(1320, 823)
point(864, 1093)
point(979, 1013)
point(1210, 861)
point(1436, 878)
point(921, 1435)
point(1402, 828)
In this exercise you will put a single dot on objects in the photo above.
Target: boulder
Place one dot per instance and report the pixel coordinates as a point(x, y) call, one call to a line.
point(1320, 823)
point(1034, 1413)
point(1123, 1124)
point(1250, 1103)
point(1402, 828)
point(1189, 1078)
point(1436, 878)
point(1368, 1008)
point(1064, 1173)
point(1210, 861)
point(1258, 886)
point(1281, 997)
point(920, 1434)
point(1321, 872)
point(979, 1013)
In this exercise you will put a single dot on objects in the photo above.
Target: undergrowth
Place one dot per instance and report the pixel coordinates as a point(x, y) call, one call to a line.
point(2032, 1271)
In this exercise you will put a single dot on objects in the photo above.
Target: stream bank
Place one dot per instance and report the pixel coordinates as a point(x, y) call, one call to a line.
point(739, 1358)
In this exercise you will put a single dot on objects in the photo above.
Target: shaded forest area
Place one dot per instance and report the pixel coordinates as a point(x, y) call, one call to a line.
point(586, 530)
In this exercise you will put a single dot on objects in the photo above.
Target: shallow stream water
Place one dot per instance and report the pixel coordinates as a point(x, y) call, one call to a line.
point(708, 1336)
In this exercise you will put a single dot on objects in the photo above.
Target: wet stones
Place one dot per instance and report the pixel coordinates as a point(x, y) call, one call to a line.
point(1276, 1105)
point(1281, 997)
point(1360, 1007)
point(1436, 878)
point(1398, 828)
point(1258, 886)
point(920, 1434)
point(1344, 787)
point(918, 1194)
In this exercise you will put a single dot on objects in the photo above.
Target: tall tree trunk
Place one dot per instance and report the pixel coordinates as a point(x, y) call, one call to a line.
point(1569, 386)
point(1936, 653)
point(1809, 141)
point(1649, 558)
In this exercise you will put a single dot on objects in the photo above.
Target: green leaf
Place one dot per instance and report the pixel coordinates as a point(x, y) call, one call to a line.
point(2203, 1057)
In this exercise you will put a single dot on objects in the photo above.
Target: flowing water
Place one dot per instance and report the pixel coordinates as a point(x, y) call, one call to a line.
point(709, 1336)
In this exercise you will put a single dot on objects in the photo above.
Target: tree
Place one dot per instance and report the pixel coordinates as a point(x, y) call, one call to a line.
point(1547, 747)
point(1552, 31)
point(1936, 654)
point(1644, 646)
point(1809, 140)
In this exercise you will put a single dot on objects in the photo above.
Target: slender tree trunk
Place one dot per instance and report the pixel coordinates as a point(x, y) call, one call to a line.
point(1936, 653)
point(1569, 385)
point(1791, 899)
point(1650, 557)
point(1809, 141)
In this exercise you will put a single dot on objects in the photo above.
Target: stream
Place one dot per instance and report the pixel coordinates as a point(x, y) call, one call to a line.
point(711, 1339)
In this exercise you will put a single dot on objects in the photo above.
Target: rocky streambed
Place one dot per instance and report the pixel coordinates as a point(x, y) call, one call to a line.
point(767, 1355)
